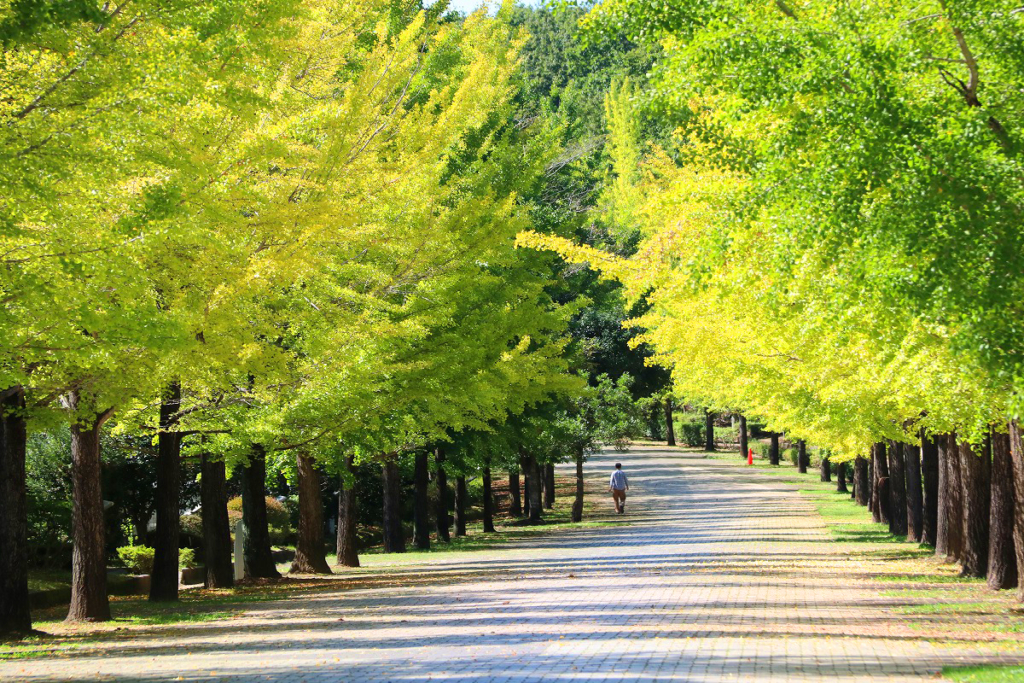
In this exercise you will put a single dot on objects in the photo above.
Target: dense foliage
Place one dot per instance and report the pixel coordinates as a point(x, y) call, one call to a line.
point(831, 239)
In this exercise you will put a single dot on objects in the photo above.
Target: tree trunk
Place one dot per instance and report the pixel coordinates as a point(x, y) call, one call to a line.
point(871, 481)
point(577, 504)
point(488, 500)
point(1017, 456)
point(524, 467)
point(841, 478)
point(773, 450)
point(930, 477)
point(533, 481)
point(975, 471)
point(952, 505)
point(915, 496)
point(860, 480)
point(461, 497)
point(801, 456)
point(1002, 560)
point(163, 584)
point(709, 431)
point(670, 428)
point(348, 519)
point(744, 448)
point(394, 536)
point(15, 614)
point(880, 485)
point(515, 507)
point(216, 526)
point(441, 502)
point(897, 490)
point(421, 501)
point(549, 486)
point(259, 560)
point(825, 468)
point(88, 566)
point(310, 557)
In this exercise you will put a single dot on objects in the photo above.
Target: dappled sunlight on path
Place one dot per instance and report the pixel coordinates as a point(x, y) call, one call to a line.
point(717, 574)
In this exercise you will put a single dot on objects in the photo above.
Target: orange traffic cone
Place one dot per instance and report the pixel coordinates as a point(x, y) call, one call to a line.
point(750, 456)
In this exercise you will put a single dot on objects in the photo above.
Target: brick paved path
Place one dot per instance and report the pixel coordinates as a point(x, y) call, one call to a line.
point(722, 575)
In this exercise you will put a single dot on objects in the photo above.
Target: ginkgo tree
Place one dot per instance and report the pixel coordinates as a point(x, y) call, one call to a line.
point(830, 242)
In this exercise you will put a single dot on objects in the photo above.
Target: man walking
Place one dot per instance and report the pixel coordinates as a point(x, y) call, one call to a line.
point(618, 486)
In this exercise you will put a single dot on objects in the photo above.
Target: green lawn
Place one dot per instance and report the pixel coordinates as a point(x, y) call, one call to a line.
point(985, 674)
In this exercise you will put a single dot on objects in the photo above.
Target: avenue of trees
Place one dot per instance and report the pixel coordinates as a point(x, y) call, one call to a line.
point(259, 242)
point(829, 240)
point(338, 246)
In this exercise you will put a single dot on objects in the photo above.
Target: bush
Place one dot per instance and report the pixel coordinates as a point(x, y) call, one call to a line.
point(762, 450)
point(192, 525)
point(187, 558)
point(792, 454)
point(137, 559)
point(691, 430)
point(278, 518)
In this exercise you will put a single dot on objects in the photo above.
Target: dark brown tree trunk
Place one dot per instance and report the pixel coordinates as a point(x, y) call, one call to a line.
point(549, 486)
point(880, 485)
point(348, 519)
point(949, 540)
point(441, 502)
point(1002, 559)
point(461, 496)
point(533, 481)
point(930, 491)
point(577, 504)
point(488, 500)
point(801, 456)
point(841, 478)
point(825, 468)
point(897, 490)
point(871, 481)
point(163, 584)
point(709, 431)
point(975, 471)
point(955, 513)
point(915, 496)
point(88, 565)
point(1017, 456)
point(216, 525)
point(515, 507)
point(394, 537)
point(421, 501)
point(259, 559)
point(744, 448)
point(860, 480)
point(524, 467)
point(773, 449)
point(310, 556)
point(15, 615)
point(670, 428)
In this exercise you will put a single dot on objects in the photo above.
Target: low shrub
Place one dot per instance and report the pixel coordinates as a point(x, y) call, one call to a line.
point(138, 559)
point(187, 558)
point(691, 430)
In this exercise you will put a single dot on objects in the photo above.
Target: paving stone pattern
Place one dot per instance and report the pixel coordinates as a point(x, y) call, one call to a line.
point(720, 575)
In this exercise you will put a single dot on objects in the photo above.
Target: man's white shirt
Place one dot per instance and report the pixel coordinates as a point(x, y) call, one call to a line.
point(619, 481)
